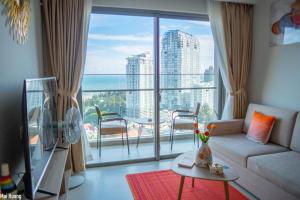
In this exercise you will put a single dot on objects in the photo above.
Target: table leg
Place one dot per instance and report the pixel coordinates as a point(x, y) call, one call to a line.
point(152, 130)
point(193, 182)
point(180, 187)
point(139, 135)
point(226, 190)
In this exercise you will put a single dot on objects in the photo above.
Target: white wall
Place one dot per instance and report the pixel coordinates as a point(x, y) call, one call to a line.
point(17, 62)
point(186, 6)
point(275, 71)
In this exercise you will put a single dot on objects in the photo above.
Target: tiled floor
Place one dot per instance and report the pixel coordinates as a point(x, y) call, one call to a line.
point(109, 183)
point(144, 150)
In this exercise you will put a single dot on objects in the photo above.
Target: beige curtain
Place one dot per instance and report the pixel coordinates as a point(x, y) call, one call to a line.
point(238, 24)
point(64, 29)
point(214, 10)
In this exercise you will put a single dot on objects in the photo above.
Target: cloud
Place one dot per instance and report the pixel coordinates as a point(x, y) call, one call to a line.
point(132, 49)
point(97, 20)
point(206, 51)
point(112, 59)
point(104, 63)
point(206, 41)
point(174, 27)
point(135, 38)
point(201, 23)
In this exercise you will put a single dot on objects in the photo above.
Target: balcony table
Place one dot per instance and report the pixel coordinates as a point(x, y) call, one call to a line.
point(142, 122)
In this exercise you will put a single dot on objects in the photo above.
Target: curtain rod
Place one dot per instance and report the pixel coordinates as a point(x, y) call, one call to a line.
point(151, 13)
point(251, 2)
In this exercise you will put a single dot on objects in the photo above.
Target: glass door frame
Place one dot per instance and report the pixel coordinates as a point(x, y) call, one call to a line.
point(156, 15)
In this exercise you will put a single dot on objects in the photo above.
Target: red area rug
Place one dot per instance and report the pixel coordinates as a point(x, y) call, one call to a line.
point(164, 185)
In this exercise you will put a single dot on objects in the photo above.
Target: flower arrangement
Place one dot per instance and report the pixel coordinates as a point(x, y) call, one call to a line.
point(204, 155)
point(204, 137)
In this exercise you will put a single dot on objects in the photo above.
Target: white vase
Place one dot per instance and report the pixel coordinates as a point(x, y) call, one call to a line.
point(203, 156)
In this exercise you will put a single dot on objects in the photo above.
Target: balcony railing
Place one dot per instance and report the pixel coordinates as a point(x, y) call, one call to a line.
point(138, 101)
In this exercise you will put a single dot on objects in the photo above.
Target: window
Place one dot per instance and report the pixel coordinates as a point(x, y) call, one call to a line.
point(120, 73)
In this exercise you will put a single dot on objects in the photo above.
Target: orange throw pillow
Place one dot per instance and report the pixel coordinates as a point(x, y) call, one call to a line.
point(261, 127)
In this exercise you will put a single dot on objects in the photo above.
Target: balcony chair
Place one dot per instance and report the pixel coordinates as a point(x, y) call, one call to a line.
point(184, 120)
point(110, 124)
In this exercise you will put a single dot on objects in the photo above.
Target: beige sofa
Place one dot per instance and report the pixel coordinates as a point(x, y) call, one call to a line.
point(270, 171)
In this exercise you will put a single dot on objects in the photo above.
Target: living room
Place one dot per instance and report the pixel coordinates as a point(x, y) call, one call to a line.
point(150, 100)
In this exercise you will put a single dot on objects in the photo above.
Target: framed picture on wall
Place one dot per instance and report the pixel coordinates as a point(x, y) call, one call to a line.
point(285, 22)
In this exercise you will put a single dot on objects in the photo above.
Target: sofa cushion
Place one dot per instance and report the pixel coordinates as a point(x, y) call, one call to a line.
point(237, 147)
point(261, 127)
point(283, 127)
point(295, 144)
point(282, 169)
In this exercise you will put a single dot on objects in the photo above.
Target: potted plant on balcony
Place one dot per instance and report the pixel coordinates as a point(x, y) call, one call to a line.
point(203, 155)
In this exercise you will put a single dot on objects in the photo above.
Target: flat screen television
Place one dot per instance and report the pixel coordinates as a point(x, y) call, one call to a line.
point(39, 128)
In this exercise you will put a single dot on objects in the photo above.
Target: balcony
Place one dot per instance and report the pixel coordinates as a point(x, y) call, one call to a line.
point(134, 103)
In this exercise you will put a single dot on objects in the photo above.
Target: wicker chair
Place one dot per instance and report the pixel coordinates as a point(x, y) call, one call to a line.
point(184, 120)
point(110, 124)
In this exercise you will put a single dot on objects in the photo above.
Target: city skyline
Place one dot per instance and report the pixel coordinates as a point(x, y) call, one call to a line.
point(179, 57)
point(113, 38)
point(123, 45)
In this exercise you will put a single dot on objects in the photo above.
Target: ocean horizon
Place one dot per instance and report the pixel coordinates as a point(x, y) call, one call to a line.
point(119, 81)
point(104, 82)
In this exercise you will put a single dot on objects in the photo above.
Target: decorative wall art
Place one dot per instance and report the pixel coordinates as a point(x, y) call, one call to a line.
point(18, 18)
point(285, 22)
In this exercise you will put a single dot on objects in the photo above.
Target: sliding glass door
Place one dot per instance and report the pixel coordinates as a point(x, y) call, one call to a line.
point(187, 82)
point(118, 78)
point(144, 70)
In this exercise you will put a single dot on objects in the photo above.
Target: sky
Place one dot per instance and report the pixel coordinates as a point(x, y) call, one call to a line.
point(113, 38)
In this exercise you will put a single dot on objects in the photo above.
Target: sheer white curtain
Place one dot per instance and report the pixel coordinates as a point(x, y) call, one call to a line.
point(215, 18)
point(87, 13)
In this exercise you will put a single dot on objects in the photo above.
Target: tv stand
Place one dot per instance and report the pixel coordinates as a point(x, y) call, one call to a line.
point(62, 147)
point(55, 182)
point(46, 192)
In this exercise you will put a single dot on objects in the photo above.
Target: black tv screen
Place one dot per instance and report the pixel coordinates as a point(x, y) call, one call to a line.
point(40, 132)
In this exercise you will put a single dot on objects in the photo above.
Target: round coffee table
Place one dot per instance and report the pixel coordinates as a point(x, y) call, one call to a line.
point(202, 173)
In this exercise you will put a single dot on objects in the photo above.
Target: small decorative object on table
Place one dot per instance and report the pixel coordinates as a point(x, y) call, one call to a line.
point(216, 169)
point(7, 184)
point(204, 156)
point(186, 162)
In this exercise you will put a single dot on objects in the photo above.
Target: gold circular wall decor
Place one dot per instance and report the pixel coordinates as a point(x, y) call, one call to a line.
point(18, 18)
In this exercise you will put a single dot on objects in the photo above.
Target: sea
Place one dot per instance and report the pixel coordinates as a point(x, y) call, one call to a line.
point(119, 81)
point(104, 82)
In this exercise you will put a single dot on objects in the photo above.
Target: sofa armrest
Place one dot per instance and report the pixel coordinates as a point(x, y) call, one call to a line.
point(225, 127)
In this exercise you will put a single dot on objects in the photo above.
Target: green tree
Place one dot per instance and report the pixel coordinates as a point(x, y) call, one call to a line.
point(107, 101)
point(206, 113)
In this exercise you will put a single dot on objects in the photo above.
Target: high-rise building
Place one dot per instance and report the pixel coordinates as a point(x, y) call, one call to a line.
point(139, 72)
point(209, 74)
point(207, 95)
point(180, 66)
